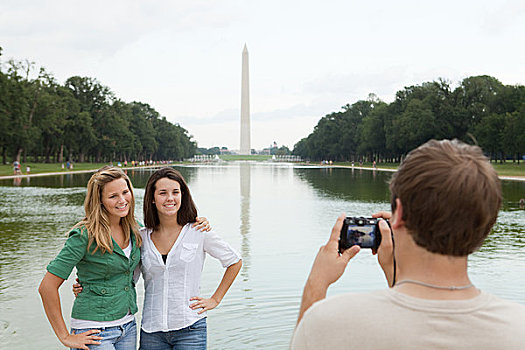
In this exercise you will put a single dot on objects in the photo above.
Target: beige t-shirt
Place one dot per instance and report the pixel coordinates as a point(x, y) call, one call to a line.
point(391, 320)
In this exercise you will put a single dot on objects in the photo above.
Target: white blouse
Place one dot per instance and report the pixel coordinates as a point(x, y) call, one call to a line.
point(170, 286)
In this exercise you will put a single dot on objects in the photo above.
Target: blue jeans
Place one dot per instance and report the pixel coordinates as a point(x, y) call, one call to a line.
point(115, 338)
point(190, 338)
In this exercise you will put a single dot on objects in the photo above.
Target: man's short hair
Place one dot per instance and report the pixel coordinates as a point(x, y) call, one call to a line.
point(450, 194)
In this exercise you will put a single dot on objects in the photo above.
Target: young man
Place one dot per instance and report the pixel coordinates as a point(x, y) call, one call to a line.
point(445, 200)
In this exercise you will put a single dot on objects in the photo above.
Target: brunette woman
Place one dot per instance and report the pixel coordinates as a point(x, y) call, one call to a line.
point(173, 253)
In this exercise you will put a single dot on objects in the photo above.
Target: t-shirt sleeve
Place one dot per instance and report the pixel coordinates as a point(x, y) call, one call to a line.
point(303, 331)
point(220, 249)
point(299, 338)
point(73, 251)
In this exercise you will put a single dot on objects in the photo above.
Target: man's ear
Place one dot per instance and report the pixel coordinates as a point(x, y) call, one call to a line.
point(397, 216)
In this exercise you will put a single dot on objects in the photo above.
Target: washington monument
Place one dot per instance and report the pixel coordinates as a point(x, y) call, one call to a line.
point(245, 105)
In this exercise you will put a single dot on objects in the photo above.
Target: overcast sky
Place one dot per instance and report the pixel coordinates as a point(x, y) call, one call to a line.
point(307, 58)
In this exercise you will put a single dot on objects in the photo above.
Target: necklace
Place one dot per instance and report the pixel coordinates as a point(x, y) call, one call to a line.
point(435, 286)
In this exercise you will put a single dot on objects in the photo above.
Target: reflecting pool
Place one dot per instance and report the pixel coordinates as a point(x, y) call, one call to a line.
point(276, 215)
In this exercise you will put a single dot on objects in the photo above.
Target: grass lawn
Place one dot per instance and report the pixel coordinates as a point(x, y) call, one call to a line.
point(370, 165)
point(510, 169)
point(503, 169)
point(48, 167)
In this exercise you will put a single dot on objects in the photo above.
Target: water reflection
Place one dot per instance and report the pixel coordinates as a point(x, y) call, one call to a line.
point(513, 192)
point(245, 181)
point(139, 178)
point(348, 184)
point(508, 234)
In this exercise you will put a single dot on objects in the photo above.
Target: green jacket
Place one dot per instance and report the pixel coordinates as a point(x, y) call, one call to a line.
point(108, 290)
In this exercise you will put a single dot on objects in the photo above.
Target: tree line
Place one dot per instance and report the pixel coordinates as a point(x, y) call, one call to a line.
point(81, 120)
point(481, 110)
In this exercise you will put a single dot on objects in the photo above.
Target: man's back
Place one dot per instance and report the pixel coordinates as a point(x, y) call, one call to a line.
point(391, 320)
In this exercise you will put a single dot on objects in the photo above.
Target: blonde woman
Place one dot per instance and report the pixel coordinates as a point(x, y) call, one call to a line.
point(104, 247)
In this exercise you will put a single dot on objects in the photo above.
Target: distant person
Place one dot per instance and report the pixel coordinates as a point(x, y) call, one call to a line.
point(68, 165)
point(28, 169)
point(445, 199)
point(16, 167)
point(522, 203)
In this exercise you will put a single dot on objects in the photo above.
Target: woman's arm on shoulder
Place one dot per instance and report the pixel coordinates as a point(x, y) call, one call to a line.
point(202, 224)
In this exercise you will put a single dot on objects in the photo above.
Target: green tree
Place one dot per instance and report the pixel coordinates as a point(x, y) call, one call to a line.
point(142, 117)
point(510, 136)
point(282, 151)
point(5, 109)
point(489, 133)
point(96, 99)
point(480, 96)
point(50, 118)
point(414, 126)
point(173, 140)
point(24, 94)
point(372, 132)
point(79, 135)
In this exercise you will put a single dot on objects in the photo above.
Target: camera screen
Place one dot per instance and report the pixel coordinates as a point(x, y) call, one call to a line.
point(363, 236)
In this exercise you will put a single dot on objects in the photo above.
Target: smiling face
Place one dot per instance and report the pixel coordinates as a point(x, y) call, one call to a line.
point(167, 197)
point(116, 198)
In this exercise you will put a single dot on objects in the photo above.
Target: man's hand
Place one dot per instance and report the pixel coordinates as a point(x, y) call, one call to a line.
point(385, 252)
point(328, 266)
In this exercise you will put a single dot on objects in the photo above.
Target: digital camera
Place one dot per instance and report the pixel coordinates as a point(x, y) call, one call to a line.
point(360, 231)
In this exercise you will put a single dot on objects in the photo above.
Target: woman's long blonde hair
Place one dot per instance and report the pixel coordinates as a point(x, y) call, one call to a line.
point(96, 220)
